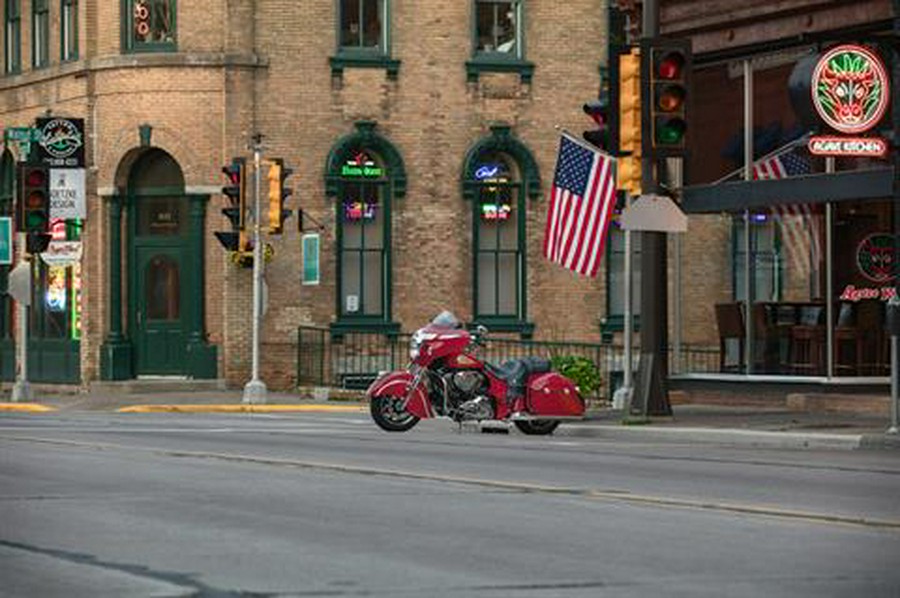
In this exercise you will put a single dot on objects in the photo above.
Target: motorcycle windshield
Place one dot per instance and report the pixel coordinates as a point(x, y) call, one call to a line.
point(446, 319)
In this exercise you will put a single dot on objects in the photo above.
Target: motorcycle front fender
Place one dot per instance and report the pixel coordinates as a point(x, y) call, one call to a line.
point(399, 384)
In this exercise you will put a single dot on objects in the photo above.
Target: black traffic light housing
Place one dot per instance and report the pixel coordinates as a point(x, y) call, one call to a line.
point(601, 113)
point(236, 211)
point(33, 205)
point(667, 64)
point(278, 195)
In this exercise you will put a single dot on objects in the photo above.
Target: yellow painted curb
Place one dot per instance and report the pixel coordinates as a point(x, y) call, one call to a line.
point(27, 407)
point(241, 408)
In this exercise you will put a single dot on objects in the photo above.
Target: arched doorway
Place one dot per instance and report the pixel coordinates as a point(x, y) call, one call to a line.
point(158, 250)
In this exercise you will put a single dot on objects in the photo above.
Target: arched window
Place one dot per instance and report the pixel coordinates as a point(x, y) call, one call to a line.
point(364, 173)
point(499, 174)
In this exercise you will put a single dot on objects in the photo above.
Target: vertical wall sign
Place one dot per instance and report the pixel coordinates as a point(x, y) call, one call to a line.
point(310, 248)
point(850, 91)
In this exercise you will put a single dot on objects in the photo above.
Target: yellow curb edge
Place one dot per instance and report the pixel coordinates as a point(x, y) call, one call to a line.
point(27, 407)
point(240, 408)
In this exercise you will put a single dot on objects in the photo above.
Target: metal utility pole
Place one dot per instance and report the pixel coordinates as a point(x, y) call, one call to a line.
point(651, 396)
point(20, 289)
point(255, 390)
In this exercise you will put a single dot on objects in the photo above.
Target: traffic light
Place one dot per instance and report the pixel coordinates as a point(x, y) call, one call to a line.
point(33, 206)
point(629, 85)
point(669, 65)
point(278, 194)
point(599, 111)
point(236, 192)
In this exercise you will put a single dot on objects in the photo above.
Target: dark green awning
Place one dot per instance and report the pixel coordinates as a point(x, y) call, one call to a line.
point(813, 188)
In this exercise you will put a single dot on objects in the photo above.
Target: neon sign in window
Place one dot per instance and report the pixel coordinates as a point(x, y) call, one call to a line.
point(355, 211)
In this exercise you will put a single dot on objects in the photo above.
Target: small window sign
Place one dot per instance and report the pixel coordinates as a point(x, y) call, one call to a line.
point(6, 253)
point(310, 248)
point(361, 165)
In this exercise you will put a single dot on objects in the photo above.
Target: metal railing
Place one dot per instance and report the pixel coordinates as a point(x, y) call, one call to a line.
point(354, 359)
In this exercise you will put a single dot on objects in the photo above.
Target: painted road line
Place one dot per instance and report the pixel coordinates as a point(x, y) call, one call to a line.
point(606, 495)
point(242, 408)
point(26, 407)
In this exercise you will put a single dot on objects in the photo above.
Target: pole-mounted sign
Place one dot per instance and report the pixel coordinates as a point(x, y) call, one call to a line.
point(850, 90)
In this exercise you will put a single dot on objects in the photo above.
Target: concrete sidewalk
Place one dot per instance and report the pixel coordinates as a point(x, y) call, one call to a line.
point(773, 427)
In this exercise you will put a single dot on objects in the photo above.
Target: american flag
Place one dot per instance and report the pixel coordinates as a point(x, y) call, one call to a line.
point(581, 204)
point(800, 224)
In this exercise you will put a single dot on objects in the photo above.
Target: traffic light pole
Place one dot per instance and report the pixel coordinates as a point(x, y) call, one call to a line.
point(255, 390)
point(21, 390)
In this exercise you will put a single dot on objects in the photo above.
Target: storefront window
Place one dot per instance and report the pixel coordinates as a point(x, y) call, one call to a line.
point(363, 231)
point(56, 301)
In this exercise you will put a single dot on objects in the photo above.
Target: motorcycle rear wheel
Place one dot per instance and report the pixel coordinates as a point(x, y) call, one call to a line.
point(537, 427)
point(390, 414)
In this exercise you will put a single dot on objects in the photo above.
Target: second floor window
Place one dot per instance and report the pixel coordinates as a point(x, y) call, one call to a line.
point(362, 25)
point(498, 28)
point(150, 25)
point(69, 30)
point(13, 48)
point(40, 33)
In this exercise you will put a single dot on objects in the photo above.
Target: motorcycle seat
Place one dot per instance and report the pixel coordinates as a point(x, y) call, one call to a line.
point(515, 371)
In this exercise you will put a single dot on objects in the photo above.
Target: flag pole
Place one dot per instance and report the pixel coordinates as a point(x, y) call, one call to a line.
point(774, 153)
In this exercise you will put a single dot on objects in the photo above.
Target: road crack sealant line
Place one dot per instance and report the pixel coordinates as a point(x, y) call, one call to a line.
point(527, 488)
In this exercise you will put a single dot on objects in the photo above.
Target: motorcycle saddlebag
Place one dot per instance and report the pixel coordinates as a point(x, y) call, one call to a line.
point(554, 395)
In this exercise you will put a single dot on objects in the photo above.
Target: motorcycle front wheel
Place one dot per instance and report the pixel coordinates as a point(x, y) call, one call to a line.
point(537, 427)
point(391, 415)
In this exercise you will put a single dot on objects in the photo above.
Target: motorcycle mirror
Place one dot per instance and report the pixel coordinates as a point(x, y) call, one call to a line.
point(481, 330)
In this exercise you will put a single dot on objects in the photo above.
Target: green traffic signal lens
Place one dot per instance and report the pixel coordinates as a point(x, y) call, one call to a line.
point(670, 131)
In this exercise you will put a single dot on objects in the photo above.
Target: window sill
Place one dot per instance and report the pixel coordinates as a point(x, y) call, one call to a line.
point(493, 63)
point(366, 325)
point(505, 324)
point(614, 324)
point(152, 48)
point(364, 61)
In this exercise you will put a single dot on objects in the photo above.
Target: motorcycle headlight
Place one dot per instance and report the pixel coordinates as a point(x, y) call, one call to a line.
point(414, 344)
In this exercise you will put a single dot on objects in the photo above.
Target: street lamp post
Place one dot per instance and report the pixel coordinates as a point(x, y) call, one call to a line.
point(255, 390)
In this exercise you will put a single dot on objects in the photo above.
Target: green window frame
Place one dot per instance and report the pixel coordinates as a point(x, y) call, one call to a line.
point(363, 35)
point(498, 39)
point(149, 25)
point(68, 32)
point(364, 174)
point(13, 37)
point(40, 33)
point(499, 175)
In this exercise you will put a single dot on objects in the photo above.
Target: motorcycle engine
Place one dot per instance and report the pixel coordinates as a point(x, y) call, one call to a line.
point(468, 382)
point(466, 389)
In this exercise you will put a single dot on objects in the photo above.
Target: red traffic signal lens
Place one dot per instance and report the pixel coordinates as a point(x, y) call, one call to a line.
point(35, 200)
point(670, 66)
point(36, 177)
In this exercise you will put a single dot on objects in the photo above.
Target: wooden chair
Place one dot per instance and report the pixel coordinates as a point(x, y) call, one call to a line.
point(730, 322)
point(848, 342)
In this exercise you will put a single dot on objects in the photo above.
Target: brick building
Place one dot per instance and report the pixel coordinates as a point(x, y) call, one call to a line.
point(422, 138)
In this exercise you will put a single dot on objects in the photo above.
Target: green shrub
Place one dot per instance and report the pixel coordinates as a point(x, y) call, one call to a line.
point(581, 370)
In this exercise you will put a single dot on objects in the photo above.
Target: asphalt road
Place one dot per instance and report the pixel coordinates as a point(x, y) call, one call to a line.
point(102, 504)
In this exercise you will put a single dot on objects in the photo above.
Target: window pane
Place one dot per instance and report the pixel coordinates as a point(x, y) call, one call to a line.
point(153, 21)
point(162, 290)
point(507, 278)
point(350, 23)
point(487, 284)
point(372, 278)
point(160, 216)
point(350, 280)
point(496, 26)
point(371, 23)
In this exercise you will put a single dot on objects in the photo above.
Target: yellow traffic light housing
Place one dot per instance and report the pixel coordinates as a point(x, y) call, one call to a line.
point(629, 162)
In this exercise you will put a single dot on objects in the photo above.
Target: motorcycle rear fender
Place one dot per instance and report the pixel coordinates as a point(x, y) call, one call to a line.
point(552, 394)
point(397, 384)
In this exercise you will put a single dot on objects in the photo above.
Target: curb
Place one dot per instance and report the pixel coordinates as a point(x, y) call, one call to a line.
point(26, 407)
point(241, 408)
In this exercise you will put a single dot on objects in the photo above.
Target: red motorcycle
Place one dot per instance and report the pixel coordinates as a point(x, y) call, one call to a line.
point(445, 378)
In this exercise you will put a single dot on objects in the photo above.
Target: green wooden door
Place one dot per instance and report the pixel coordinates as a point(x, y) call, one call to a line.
point(159, 314)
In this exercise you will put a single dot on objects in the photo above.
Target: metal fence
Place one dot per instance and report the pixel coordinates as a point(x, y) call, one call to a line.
point(354, 359)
